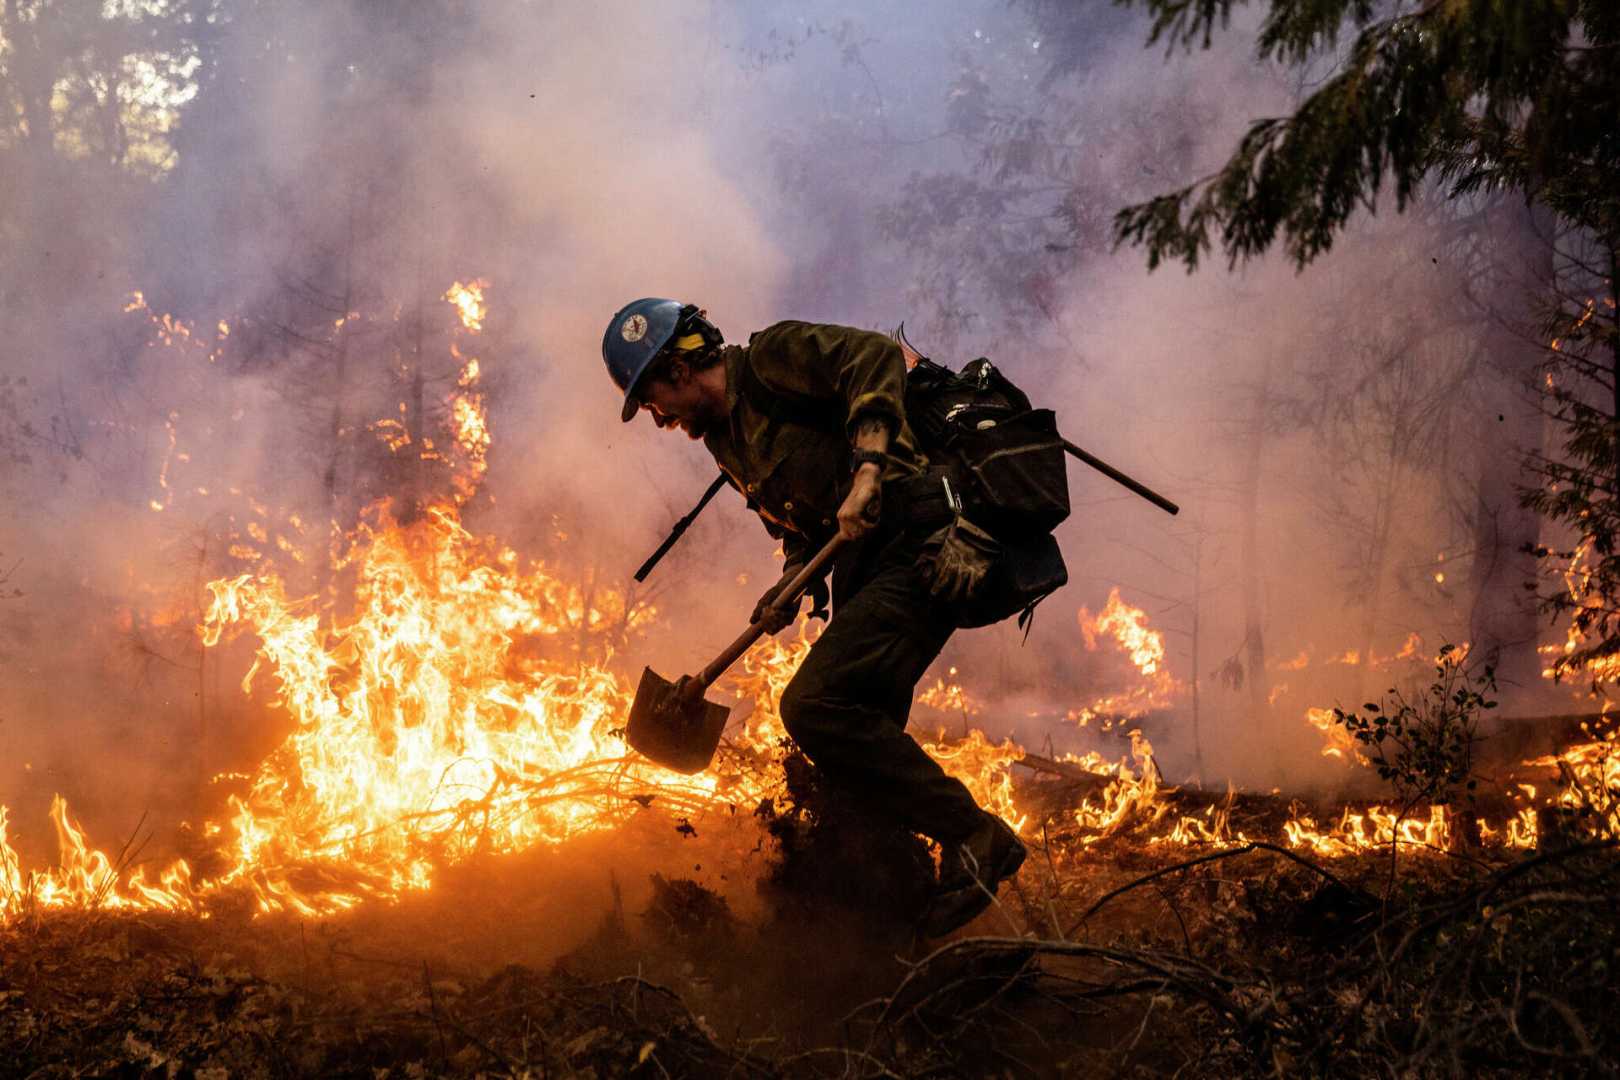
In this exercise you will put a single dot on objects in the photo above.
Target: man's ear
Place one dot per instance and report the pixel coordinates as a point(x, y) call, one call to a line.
point(679, 372)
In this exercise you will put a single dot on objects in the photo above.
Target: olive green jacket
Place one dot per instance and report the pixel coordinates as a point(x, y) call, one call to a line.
point(796, 475)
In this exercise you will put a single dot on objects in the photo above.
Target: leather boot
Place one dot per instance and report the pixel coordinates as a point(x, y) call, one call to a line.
point(970, 873)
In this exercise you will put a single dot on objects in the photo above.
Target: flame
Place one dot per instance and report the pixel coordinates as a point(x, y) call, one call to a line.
point(1376, 826)
point(1410, 648)
point(1132, 793)
point(469, 302)
point(425, 729)
point(1578, 583)
point(948, 696)
point(1414, 642)
point(1339, 742)
point(447, 709)
point(985, 769)
point(84, 877)
point(1588, 782)
point(470, 427)
point(1211, 828)
point(443, 718)
point(1128, 625)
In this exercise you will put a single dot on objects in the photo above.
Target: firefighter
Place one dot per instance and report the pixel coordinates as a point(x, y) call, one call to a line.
point(808, 422)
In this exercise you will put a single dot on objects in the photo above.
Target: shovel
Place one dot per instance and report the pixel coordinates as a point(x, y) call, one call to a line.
point(671, 722)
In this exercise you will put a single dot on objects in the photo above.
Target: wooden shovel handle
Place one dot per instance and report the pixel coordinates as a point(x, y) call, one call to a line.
point(790, 593)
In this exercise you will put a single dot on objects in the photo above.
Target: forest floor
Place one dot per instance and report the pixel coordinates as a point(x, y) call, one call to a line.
point(624, 956)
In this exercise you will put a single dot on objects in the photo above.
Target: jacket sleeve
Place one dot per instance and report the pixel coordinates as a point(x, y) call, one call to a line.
point(866, 370)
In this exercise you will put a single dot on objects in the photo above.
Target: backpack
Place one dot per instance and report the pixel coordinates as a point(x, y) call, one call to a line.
point(1006, 457)
point(1009, 460)
point(1007, 454)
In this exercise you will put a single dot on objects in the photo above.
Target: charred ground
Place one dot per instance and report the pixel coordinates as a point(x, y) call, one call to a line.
point(1110, 956)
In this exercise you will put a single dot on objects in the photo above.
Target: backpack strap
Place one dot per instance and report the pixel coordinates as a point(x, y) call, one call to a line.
point(788, 406)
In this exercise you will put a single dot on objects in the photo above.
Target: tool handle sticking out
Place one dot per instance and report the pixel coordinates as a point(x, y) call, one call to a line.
point(1120, 478)
point(790, 594)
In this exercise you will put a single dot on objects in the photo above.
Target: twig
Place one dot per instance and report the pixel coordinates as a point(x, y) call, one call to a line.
point(477, 1043)
point(846, 1053)
point(1057, 882)
point(1184, 973)
point(1253, 845)
point(1489, 888)
point(433, 1004)
point(121, 864)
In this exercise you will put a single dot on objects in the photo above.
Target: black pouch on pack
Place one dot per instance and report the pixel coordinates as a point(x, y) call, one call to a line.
point(1017, 473)
point(1027, 572)
point(1009, 457)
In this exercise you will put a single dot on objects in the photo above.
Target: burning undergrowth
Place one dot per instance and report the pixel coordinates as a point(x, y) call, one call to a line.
point(452, 863)
point(1111, 957)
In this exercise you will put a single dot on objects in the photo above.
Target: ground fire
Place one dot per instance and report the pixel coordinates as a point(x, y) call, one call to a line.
point(1162, 508)
point(440, 714)
point(443, 717)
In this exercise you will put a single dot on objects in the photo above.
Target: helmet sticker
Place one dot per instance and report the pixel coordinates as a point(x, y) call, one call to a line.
point(634, 328)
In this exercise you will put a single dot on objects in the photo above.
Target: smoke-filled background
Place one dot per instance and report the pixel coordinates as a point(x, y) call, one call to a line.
point(290, 189)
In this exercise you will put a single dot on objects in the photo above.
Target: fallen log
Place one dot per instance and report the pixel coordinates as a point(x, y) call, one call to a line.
point(1066, 769)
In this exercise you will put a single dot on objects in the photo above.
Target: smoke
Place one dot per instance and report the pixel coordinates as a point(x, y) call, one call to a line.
point(348, 162)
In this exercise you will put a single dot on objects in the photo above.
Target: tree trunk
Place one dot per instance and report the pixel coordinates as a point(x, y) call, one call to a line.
point(340, 373)
point(1614, 345)
point(1197, 603)
point(1383, 523)
point(1503, 624)
point(33, 79)
point(1254, 642)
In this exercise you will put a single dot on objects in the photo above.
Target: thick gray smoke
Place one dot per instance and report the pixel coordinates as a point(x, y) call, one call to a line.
point(830, 160)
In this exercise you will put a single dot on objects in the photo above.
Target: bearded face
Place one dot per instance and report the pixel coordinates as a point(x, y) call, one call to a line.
point(676, 399)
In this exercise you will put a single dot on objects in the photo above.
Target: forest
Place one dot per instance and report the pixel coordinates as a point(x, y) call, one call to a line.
point(320, 626)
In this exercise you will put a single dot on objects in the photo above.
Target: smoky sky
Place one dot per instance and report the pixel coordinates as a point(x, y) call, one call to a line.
point(765, 161)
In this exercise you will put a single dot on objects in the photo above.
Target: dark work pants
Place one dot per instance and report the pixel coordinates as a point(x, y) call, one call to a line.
point(847, 706)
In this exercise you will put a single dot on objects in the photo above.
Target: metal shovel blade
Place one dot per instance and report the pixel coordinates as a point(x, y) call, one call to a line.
point(675, 730)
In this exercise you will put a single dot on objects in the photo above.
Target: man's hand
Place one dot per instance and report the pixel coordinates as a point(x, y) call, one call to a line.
point(780, 618)
point(863, 505)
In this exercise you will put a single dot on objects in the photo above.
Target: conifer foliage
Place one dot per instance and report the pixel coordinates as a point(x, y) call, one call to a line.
point(1482, 93)
point(1477, 97)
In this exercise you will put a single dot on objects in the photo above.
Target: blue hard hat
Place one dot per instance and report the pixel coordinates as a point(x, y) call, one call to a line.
point(634, 338)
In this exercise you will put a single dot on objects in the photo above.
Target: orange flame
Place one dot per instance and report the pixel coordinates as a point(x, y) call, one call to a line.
point(449, 711)
point(1128, 625)
point(1339, 743)
point(469, 302)
point(985, 769)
